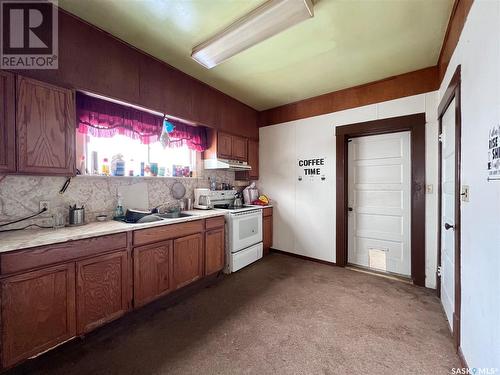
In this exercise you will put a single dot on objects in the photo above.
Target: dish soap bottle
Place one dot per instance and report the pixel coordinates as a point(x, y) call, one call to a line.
point(119, 208)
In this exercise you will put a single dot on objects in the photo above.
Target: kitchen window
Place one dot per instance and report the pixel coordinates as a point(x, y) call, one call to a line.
point(120, 140)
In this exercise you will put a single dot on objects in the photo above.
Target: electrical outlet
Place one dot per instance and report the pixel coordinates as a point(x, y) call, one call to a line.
point(45, 204)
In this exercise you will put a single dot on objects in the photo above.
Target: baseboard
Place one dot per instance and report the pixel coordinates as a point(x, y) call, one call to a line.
point(463, 362)
point(303, 257)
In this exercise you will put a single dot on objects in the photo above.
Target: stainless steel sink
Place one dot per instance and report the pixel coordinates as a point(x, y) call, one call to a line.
point(173, 215)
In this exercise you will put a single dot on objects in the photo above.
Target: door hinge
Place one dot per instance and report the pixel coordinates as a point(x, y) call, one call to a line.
point(439, 271)
point(440, 137)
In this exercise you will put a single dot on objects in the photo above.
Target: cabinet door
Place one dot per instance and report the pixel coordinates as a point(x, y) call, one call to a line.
point(224, 145)
point(267, 233)
point(38, 312)
point(214, 251)
point(152, 272)
point(102, 293)
point(7, 123)
point(188, 260)
point(240, 151)
point(253, 161)
point(45, 125)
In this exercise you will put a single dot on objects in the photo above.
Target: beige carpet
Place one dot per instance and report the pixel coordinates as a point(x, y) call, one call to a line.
point(282, 315)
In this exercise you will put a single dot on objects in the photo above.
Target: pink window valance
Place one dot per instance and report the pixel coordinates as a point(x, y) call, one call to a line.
point(102, 118)
point(194, 137)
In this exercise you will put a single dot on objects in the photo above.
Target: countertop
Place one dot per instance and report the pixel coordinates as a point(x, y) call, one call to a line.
point(27, 238)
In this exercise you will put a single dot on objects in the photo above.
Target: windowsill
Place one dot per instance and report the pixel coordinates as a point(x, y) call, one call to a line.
point(141, 177)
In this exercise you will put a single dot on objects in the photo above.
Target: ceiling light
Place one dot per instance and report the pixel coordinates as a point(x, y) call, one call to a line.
point(267, 20)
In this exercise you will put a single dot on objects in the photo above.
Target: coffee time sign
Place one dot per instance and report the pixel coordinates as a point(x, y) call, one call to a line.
point(311, 169)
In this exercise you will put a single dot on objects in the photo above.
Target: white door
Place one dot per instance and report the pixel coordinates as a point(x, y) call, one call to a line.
point(379, 180)
point(448, 212)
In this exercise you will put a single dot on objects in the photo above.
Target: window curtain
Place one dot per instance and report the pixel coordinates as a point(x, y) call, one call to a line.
point(102, 118)
point(194, 137)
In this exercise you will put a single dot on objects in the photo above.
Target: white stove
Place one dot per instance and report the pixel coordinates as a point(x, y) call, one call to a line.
point(243, 230)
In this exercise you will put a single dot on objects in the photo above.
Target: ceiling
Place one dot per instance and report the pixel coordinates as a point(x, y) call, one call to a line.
point(347, 43)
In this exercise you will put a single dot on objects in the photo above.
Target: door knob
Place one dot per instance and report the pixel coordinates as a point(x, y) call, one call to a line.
point(349, 209)
point(448, 226)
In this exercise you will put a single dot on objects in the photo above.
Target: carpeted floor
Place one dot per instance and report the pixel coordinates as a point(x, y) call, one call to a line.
point(282, 315)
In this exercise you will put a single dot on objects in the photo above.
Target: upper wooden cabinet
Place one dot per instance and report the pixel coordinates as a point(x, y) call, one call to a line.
point(226, 146)
point(253, 161)
point(45, 125)
point(38, 312)
point(240, 150)
point(7, 123)
point(101, 290)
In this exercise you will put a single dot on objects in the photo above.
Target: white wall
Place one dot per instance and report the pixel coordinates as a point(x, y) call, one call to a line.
point(304, 222)
point(478, 52)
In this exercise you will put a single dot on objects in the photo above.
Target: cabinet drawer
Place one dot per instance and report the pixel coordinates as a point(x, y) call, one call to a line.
point(65, 251)
point(167, 232)
point(214, 222)
point(267, 211)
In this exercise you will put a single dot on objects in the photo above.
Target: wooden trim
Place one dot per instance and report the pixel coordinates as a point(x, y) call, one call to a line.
point(461, 357)
point(412, 83)
point(453, 91)
point(303, 257)
point(456, 24)
point(416, 125)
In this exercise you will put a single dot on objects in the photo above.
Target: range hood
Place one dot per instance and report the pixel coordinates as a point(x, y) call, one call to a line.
point(232, 165)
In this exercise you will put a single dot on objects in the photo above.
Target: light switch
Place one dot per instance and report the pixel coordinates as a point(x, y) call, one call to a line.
point(465, 193)
point(429, 189)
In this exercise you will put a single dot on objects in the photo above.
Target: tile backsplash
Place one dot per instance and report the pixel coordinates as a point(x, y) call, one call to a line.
point(20, 196)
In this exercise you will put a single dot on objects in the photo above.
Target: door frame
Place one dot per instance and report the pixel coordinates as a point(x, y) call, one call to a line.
point(415, 124)
point(453, 91)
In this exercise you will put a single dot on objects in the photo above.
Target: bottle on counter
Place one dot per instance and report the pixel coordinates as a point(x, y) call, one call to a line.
point(105, 167)
point(119, 208)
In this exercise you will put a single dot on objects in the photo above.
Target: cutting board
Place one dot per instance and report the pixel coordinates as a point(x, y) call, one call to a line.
point(135, 196)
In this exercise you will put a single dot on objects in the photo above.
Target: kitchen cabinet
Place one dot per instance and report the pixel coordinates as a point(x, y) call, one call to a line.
point(152, 272)
point(224, 145)
point(102, 290)
point(188, 260)
point(267, 229)
point(38, 312)
point(253, 161)
point(45, 126)
point(239, 148)
point(7, 123)
point(214, 251)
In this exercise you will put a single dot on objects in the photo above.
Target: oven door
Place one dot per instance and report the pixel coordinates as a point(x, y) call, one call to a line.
point(245, 229)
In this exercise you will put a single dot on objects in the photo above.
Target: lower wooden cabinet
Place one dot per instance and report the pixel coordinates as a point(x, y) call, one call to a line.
point(267, 229)
point(188, 260)
point(152, 272)
point(214, 251)
point(38, 312)
point(102, 290)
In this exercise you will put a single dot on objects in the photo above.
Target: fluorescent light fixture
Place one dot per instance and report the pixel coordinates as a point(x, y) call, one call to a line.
point(267, 20)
